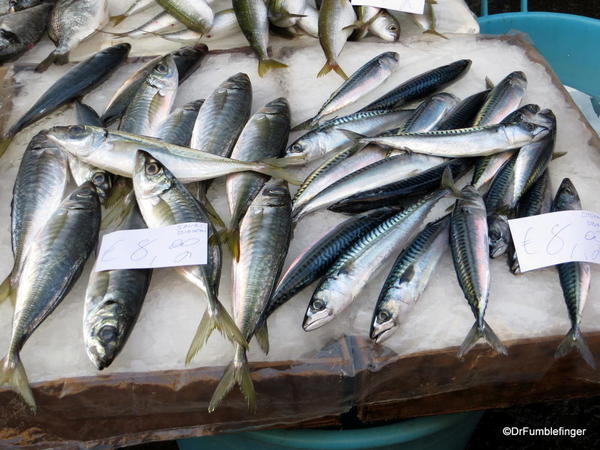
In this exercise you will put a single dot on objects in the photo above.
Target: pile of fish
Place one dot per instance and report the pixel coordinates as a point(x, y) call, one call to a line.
point(386, 165)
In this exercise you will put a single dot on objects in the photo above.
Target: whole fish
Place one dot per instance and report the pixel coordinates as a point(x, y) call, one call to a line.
point(347, 277)
point(575, 278)
point(264, 136)
point(39, 188)
point(161, 23)
point(464, 142)
point(70, 23)
point(385, 26)
point(253, 19)
point(310, 22)
point(366, 79)
point(136, 7)
point(196, 15)
point(115, 151)
point(164, 201)
point(336, 22)
point(536, 200)
point(335, 168)
point(315, 260)
point(178, 127)
point(222, 116)
point(421, 86)
point(187, 60)
point(408, 278)
point(470, 245)
point(20, 31)
point(265, 234)
point(81, 171)
point(332, 136)
point(113, 301)
point(463, 114)
point(54, 263)
point(153, 100)
point(74, 84)
point(285, 13)
point(225, 24)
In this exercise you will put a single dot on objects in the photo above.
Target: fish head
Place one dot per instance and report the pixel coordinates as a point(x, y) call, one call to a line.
point(545, 118)
point(517, 79)
point(10, 43)
point(150, 177)
point(239, 81)
point(525, 132)
point(386, 27)
point(83, 197)
point(304, 149)
point(319, 311)
point(389, 60)
point(79, 140)
point(188, 59)
point(274, 193)
point(567, 197)
point(499, 234)
point(276, 107)
point(107, 332)
point(103, 182)
point(383, 324)
point(164, 75)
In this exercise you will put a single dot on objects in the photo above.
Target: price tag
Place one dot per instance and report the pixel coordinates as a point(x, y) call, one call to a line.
point(184, 244)
point(555, 238)
point(409, 6)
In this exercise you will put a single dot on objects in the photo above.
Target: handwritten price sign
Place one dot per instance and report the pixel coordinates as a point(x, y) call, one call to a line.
point(555, 238)
point(409, 6)
point(184, 244)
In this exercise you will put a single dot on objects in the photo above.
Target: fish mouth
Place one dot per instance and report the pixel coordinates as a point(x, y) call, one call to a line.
point(498, 250)
point(316, 320)
point(382, 332)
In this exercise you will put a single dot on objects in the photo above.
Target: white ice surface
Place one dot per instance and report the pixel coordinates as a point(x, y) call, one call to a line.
point(526, 306)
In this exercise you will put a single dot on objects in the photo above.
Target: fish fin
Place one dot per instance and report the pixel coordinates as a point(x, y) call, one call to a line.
point(435, 33)
point(277, 172)
point(353, 135)
point(279, 162)
point(212, 213)
point(574, 338)
point(237, 372)
point(116, 20)
point(355, 26)
point(217, 320)
point(329, 66)
point(53, 58)
point(7, 291)
point(307, 124)
point(448, 183)
point(5, 142)
point(232, 238)
point(489, 84)
point(557, 155)
point(262, 337)
point(264, 65)
point(476, 333)
point(13, 373)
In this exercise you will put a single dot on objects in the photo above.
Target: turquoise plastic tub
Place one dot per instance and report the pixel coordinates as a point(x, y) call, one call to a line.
point(447, 432)
point(570, 43)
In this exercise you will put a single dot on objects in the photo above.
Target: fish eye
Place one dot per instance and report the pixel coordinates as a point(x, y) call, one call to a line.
point(77, 130)
point(393, 28)
point(152, 168)
point(98, 178)
point(275, 191)
point(529, 126)
point(383, 316)
point(162, 68)
point(296, 148)
point(317, 305)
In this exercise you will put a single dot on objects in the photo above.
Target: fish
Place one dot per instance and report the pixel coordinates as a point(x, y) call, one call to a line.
point(463, 114)
point(464, 142)
point(428, 20)
point(469, 244)
point(114, 151)
point(536, 200)
point(252, 17)
point(113, 301)
point(21, 31)
point(575, 278)
point(187, 60)
point(39, 188)
point(265, 234)
point(54, 262)
point(310, 22)
point(71, 22)
point(367, 78)
point(196, 15)
point(386, 27)
point(315, 260)
point(178, 127)
point(347, 277)
point(408, 278)
point(285, 13)
point(164, 201)
point(222, 116)
point(136, 7)
point(12, 6)
point(447, 16)
point(332, 135)
point(81, 171)
point(158, 24)
point(336, 23)
point(421, 86)
point(74, 84)
point(153, 100)
point(264, 136)
point(225, 24)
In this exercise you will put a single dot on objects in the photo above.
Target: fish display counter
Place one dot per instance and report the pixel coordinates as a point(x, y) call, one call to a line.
point(317, 369)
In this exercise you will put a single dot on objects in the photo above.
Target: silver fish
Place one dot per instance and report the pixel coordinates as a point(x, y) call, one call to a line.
point(54, 263)
point(225, 24)
point(336, 19)
point(196, 15)
point(385, 26)
point(408, 278)
point(265, 233)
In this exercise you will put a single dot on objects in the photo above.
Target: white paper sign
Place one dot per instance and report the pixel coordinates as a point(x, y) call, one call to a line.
point(409, 6)
point(184, 244)
point(555, 238)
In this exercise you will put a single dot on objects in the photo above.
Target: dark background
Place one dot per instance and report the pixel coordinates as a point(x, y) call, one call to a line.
point(590, 8)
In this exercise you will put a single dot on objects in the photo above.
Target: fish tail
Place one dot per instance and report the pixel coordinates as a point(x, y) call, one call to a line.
point(216, 319)
point(574, 338)
point(448, 183)
point(212, 213)
point(6, 140)
point(264, 65)
point(435, 33)
point(478, 332)
point(308, 123)
point(332, 65)
point(116, 20)
point(237, 372)
point(262, 336)
point(13, 374)
point(277, 172)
